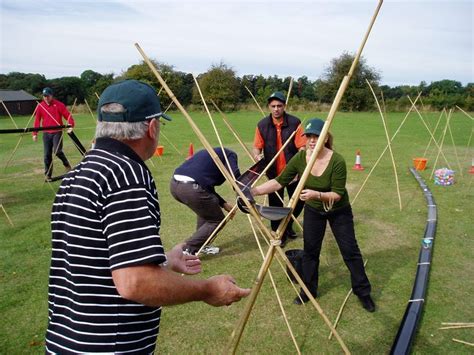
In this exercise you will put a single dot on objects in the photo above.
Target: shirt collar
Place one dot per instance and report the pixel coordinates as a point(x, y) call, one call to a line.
point(114, 145)
point(276, 123)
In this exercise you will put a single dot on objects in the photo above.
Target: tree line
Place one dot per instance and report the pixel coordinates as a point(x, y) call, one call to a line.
point(230, 92)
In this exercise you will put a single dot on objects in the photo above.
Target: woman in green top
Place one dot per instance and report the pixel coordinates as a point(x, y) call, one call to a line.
point(326, 199)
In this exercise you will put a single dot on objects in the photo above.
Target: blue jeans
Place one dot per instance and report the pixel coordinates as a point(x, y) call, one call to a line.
point(342, 226)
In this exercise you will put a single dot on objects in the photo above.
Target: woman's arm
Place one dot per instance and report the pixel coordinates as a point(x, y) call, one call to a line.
point(266, 188)
point(308, 194)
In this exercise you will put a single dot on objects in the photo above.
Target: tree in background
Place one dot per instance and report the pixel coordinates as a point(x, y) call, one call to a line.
point(31, 83)
point(357, 97)
point(67, 89)
point(180, 83)
point(220, 84)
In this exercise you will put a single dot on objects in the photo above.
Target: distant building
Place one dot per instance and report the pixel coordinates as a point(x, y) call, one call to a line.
point(18, 102)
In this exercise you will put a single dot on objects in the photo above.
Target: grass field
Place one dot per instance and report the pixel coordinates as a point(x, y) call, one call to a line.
point(389, 238)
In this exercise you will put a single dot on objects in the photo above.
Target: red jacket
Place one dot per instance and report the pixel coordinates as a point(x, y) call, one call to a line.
point(52, 115)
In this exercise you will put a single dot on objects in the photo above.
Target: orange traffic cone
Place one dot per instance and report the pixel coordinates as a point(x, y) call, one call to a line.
point(357, 165)
point(471, 171)
point(190, 151)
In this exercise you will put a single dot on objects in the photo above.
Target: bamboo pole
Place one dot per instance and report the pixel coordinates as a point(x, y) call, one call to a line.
point(441, 144)
point(456, 323)
point(275, 244)
point(289, 92)
point(8, 112)
point(255, 100)
point(468, 145)
point(434, 131)
point(97, 95)
point(234, 132)
point(388, 143)
point(455, 150)
point(281, 265)
point(385, 149)
point(342, 306)
point(90, 111)
point(280, 304)
point(6, 215)
point(218, 228)
point(468, 115)
point(462, 342)
point(215, 128)
point(429, 131)
point(458, 326)
point(171, 143)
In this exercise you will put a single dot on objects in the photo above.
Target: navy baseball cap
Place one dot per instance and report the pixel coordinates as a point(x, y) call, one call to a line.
point(47, 92)
point(140, 101)
point(277, 96)
point(314, 126)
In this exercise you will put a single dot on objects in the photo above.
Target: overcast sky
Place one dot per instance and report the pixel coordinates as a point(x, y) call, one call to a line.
point(412, 40)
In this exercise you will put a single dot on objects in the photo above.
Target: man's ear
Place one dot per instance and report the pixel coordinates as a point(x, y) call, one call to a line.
point(153, 128)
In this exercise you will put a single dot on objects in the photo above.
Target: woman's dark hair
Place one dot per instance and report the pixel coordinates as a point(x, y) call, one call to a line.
point(329, 141)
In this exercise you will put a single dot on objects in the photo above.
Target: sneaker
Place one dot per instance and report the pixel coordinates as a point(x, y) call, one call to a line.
point(368, 303)
point(68, 168)
point(48, 179)
point(210, 250)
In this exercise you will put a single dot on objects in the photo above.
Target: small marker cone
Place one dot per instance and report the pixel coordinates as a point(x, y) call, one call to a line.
point(190, 151)
point(471, 171)
point(357, 165)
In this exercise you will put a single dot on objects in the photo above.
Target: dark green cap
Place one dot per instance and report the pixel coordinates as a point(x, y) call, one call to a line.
point(139, 100)
point(314, 126)
point(47, 92)
point(277, 96)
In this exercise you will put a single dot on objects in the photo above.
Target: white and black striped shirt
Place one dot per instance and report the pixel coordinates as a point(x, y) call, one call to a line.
point(105, 216)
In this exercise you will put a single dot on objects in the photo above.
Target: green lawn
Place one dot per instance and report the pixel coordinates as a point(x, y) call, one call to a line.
point(389, 238)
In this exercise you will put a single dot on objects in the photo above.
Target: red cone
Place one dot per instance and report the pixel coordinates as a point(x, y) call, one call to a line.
point(190, 151)
point(357, 165)
point(471, 171)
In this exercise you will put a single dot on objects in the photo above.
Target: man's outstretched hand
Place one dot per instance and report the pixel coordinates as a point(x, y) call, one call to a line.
point(224, 291)
point(183, 263)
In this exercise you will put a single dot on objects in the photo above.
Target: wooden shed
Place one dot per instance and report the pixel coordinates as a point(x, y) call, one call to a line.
point(18, 102)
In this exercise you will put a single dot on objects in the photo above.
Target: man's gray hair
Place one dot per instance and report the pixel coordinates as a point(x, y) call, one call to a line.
point(119, 130)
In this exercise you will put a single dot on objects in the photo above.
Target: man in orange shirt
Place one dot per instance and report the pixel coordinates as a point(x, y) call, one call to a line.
point(51, 112)
point(271, 133)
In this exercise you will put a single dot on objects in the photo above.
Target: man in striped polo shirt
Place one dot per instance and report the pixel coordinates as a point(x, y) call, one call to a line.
point(109, 273)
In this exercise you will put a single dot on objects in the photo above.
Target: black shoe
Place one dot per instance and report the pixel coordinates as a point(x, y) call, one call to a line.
point(284, 240)
point(290, 233)
point(302, 298)
point(367, 303)
point(48, 179)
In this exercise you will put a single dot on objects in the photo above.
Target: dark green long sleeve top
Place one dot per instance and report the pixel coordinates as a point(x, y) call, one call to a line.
point(332, 179)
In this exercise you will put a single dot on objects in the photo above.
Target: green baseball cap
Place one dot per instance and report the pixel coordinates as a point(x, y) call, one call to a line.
point(47, 92)
point(314, 126)
point(277, 96)
point(140, 101)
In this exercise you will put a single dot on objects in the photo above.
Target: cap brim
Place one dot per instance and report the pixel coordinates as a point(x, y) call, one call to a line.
point(158, 115)
point(166, 117)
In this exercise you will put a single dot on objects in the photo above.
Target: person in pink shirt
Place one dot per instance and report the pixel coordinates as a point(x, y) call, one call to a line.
point(51, 112)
